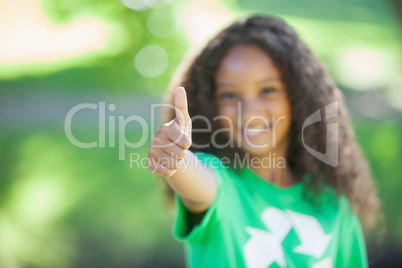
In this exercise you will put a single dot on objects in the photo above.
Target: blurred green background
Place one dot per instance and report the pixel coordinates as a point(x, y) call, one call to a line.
point(64, 206)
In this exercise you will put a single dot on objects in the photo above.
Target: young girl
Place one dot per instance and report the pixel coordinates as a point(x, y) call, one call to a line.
point(273, 177)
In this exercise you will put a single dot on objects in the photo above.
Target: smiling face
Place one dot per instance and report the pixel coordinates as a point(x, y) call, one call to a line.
point(251, 96)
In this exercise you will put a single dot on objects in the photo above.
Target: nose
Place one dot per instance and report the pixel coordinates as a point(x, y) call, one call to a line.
point(251, 112)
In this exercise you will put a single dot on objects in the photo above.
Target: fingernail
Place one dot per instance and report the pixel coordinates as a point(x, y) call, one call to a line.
point(188, 139)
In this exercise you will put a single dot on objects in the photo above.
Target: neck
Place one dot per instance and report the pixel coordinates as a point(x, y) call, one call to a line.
point(281, 177)
point(278, 171)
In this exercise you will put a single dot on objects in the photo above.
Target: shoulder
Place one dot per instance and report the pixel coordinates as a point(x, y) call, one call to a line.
point(330, 200)
point(211, 160)
point(200, 227)
point(218, 166)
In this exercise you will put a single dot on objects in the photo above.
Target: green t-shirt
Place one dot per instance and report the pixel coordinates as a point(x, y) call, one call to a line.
point(253, 223)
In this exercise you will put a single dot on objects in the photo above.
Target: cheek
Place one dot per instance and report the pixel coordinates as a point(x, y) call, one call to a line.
point(227, 120)
point(279, 114)
point(278, 107)
point(228, 111)
point(285, 121)
point(287, 113)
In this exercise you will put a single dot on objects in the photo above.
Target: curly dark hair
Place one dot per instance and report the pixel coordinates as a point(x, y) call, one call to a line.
point(309, 89)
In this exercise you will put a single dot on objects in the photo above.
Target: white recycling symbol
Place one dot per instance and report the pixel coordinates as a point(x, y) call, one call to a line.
point(265, 247)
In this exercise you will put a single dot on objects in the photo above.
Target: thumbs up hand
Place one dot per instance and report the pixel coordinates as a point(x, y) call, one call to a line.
point(182, 117)
point(170, 143)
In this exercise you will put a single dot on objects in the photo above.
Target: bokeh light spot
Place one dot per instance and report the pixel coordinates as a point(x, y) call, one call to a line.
point(151, 61)
point(26, 35)
point(365, 69)
point(161, 24)
point(138, 4)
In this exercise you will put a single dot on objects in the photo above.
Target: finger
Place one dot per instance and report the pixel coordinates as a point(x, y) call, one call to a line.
point(175, 152)
point(170, 135)
point(169, 161)
point(181, 108)
point(164, 159)
point(159, 168)
point(177, 136)
point(161, 139)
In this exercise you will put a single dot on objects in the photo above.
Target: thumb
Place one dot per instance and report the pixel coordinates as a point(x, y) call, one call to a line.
point(182, 116)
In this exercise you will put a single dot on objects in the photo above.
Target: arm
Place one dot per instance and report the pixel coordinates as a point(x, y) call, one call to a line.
point(195, 183)
point(351, 246)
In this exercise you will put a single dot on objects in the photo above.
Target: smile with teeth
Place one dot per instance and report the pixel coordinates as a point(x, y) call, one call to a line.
point(254, 132)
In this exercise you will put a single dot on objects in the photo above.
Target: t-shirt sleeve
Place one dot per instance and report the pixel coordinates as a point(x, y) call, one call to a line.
point(352, 248)
point(180, 228)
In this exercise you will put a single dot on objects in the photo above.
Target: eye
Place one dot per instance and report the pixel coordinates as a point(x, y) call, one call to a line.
point(267, 90)
point(228, 96)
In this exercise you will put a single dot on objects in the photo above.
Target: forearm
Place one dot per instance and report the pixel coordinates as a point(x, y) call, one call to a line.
point(194, 182)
